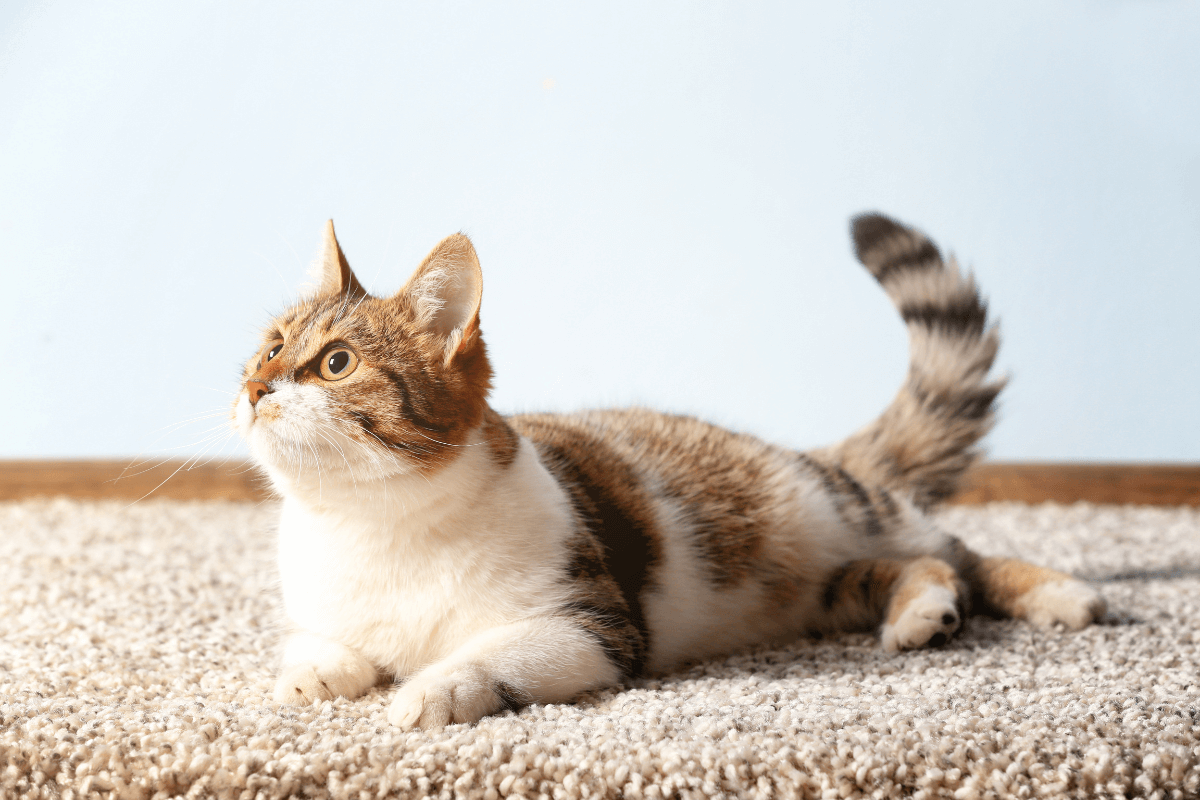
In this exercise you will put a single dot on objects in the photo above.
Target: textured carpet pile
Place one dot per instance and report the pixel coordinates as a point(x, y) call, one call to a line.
point(137, 650)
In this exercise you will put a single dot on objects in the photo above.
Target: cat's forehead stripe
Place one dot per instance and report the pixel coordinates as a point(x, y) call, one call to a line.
point(308, 328)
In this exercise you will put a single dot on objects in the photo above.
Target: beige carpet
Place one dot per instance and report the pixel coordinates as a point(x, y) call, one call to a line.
point(137, 651)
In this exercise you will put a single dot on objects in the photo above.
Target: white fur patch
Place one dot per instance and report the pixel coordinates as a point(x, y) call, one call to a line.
point(405, 568)
point(930, 613)
point(445, 578)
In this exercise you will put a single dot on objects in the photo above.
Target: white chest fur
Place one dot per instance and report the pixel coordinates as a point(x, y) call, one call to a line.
point(405, 569)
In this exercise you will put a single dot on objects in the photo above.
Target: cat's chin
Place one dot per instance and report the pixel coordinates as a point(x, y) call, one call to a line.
point(297, 450)
point(300, 463)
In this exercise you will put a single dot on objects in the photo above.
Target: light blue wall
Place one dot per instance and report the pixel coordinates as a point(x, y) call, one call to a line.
point(658, 191)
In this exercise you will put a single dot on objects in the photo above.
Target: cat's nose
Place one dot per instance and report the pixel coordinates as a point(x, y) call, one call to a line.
point(256, 390)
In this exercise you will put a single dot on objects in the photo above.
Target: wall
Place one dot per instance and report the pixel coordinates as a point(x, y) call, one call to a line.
point(658, 192)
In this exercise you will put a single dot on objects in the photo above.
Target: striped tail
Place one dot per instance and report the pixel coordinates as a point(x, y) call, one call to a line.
point(925, 440)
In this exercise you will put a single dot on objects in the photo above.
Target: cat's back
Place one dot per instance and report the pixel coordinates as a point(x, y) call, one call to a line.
point(682, 452)
point(675, 476)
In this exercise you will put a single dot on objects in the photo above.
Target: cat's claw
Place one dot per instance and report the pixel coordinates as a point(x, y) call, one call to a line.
point(1069, 602)
point(931, 618)
point(434, 699)
point(305, 684)
point(301, 686)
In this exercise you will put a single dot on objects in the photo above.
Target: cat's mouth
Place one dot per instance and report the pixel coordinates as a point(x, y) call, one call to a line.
point(296, 430)
point(266, 410)
point(246, 414)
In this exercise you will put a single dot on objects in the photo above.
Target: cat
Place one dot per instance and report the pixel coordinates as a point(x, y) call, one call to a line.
point(486, 562)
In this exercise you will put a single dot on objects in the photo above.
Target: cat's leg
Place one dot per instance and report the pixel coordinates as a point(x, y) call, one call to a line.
point(317, 669)
point(540, 660)
point(1009, 587)
point(928, 605)
point(915, 602)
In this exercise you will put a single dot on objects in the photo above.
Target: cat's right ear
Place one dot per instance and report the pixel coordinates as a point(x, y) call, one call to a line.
point(330, 273)
point(444, 294)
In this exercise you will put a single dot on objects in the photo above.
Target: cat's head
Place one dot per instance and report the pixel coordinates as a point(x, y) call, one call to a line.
point(370, 386)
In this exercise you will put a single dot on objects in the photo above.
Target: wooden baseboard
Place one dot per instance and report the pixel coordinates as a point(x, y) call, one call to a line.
point(1140, 484)
point(1144, 484)
point(234, 479)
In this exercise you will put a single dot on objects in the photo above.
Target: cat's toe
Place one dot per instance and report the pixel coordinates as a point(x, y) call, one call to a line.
point(409, 708)
point(929, 619)
point(1069, 602)
point(305, 684)
point(434, 700)
point(301, 686)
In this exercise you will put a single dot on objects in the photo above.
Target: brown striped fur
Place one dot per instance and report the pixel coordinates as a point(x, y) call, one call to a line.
point(925, 440)
point(677, 540)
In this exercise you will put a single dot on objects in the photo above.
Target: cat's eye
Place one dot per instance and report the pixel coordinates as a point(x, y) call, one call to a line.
point(337, 363)
point(274, 351)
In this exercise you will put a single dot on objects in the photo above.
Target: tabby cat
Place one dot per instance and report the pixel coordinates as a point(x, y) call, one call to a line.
point(484, 562)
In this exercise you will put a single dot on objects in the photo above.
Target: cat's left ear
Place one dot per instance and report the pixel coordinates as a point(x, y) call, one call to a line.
point(331, 272)
point(445, 292)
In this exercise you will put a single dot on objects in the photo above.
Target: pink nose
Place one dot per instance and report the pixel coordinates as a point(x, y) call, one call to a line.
point(256, 390)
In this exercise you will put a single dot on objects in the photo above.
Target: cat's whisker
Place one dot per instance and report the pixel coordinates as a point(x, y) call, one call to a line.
point(209, 443)
point(320, 476)
point(125, 473)
point(212, 430)
point(359, 303)
point(448, 444)
point(222, 442)
point(168, 429)
point(337, 317)
point(250, 467)
point(176, 471)
point(152, 466)
point(214, 433)
point(388, 448)
point(342, 453)
point(141, 465)
point(329, 436)
point(217, 412)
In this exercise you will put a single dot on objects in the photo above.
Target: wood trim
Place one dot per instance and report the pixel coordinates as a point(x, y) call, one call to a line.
point(1147, 484)
point(234, 479)
point(1141, 484)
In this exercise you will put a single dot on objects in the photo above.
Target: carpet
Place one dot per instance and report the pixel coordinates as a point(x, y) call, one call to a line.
point(137, 649)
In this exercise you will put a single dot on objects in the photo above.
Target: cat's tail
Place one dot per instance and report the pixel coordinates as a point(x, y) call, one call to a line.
point(926, 439)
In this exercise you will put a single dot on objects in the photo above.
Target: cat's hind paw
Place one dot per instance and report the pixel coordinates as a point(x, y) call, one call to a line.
point(929, 619)
point(1069, 602)
point(435, 698)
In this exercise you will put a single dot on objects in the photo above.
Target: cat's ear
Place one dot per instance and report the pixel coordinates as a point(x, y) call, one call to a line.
point(445, 292)
point(331, 272)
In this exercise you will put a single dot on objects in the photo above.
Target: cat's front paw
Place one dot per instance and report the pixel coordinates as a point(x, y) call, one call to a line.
point(930, 618)
point(305, 684)
point(434, 698)
point(1070, 602)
